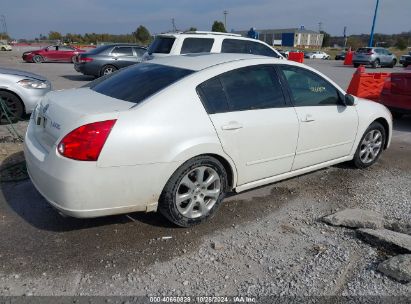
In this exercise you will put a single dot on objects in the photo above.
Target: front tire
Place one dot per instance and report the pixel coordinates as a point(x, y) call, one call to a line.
point(15, 108)
point(38, 59)
point(194, 192)
point(393, 63)
point(74, 59)
point(375, 64)
point(370, 146)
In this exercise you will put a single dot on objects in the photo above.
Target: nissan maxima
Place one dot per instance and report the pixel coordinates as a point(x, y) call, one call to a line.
point(177, 134)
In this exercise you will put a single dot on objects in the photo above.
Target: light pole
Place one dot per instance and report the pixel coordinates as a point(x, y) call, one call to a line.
point(225, 19)
point(373, 25)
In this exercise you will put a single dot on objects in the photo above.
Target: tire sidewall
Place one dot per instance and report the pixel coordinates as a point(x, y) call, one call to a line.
point(107, 66)
point(374, 126)
point(167, 203)
point(14, 118)
point(40, 59)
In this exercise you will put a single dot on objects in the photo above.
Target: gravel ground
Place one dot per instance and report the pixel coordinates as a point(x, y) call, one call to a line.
point(268, 241)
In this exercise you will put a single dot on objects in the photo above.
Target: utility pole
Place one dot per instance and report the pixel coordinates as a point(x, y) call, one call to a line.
point(373, 24)
point(225, 19)
point(320, 27)
point(345, 37)
point(3, 25)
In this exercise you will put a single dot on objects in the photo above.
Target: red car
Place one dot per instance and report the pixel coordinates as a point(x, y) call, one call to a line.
point(396, 94)
point(53, 53)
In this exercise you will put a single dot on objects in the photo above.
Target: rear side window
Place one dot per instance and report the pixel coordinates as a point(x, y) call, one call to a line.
point(197, 45)
point(161, 45)
point(252, 88)
point(122, 51)
point(235, 46)
point(364, 50)
point(213, 97)
point(136, 83)
point(261, 49)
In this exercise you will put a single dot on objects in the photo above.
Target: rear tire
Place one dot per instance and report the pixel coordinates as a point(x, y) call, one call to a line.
point(14, 105)
point(356, 65)
point(38, 59)
point(74, 59)
point(108, 69)
point(375, 64)
point(393, 63)
point(371, 146)
point(194, 192)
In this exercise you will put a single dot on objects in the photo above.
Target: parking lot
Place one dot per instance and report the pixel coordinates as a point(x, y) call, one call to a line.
point(261, 242)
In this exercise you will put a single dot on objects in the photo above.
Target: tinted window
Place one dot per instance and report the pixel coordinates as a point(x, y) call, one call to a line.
point(161, 45)
point(98, 49)
point(138, 82)
point(122, 51)
point(364, 50)
point(261, 49)
point(140, 52)
point(212, 95)
point(65, 48)
point(197, 45)
point(250, 88)
point(235, 46)
point(309, 89)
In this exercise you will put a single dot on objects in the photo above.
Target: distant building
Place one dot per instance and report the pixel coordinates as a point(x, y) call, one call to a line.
point(293, 37)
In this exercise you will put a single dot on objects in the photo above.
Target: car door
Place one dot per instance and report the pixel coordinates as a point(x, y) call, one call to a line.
point(256, 125)
point(123, 56)
point(51, 53)
point(65, 53)
point(327, 127)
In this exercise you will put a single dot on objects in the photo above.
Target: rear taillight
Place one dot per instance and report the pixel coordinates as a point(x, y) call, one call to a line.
point(85, 59)
point(86, 142)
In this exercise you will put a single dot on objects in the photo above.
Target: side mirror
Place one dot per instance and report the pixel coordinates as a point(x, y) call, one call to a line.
point(349, 100)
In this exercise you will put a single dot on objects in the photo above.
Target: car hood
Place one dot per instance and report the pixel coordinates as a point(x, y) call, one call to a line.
point(21, 73)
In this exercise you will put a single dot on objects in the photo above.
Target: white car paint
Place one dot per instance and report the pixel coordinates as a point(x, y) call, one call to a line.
point(319, 55)
point(151, 140)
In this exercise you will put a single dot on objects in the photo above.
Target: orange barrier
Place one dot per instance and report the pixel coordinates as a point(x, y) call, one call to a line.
point(348, 58)
point(367, 85)
point(296, 56)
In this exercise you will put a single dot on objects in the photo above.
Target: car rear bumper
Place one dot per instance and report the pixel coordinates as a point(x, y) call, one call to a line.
point(87, 69)
point(85, 190)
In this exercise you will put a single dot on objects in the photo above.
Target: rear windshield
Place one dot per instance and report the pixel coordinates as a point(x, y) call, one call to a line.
point(136, 83)
point(161, 45)
point(364, 50)
point(99, 49)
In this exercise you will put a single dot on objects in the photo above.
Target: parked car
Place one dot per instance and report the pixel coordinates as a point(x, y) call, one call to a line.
point(109, 58)
point(176, 134)
point(405, 60)
point(207, 42)
point(316, 55)
point(374, 56)
point(20, 92)
point(396, 94)
point(5, 47)
point(53, 53)
point(340, 56)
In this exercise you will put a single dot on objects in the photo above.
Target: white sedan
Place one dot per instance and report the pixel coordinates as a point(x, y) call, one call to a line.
point(319, 55)
point(178, 133)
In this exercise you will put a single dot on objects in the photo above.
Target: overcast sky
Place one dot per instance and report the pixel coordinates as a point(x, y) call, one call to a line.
point(30, 18)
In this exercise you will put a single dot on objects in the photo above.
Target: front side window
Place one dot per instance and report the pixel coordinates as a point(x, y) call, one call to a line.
point(139, 51)
point(161, 45)
point(136, 83)
point(122, 51)
point(308, 88)
point(197, 45)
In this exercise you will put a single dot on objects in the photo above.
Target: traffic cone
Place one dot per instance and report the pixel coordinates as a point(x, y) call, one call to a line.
point(355, 82)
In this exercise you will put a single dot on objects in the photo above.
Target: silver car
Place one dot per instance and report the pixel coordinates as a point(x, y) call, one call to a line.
point(374, 56)
point(20, 91)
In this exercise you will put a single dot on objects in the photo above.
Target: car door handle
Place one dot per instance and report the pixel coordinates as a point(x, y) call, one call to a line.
point(308, 118)
point(232, 125)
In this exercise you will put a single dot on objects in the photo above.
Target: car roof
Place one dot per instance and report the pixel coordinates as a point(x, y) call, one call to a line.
point(201, 61)
point(203, 34)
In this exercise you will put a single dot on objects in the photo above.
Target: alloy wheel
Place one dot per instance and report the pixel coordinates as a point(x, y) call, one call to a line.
point(371, 146)
point(197, 192)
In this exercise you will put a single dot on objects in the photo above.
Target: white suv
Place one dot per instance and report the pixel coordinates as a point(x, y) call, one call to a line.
point(206, 42)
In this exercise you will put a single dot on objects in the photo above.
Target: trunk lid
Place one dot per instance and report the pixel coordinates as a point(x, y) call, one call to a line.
point(62, 111)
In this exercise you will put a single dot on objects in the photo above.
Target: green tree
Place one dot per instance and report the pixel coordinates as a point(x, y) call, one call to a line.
point(326, 39)
point(218, 26)
point(54, 35)
point(401, 44)
point(142, 34)
point(192, 29)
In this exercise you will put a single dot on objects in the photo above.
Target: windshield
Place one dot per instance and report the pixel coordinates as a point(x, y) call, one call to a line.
point(161, 45)
point(136, 83)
